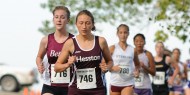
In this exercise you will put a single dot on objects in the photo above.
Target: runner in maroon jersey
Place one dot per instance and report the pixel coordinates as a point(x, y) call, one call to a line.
point(85, 52)
point(51, 45)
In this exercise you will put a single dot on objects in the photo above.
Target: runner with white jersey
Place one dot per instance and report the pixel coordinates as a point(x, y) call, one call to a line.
point(143, 83)
point(124, 57)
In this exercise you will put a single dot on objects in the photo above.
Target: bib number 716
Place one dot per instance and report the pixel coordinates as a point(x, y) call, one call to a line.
point(61, 74)
point(61, 77)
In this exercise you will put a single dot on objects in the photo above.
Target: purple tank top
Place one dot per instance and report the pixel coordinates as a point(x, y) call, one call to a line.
point(53, 50)
point(88, 59)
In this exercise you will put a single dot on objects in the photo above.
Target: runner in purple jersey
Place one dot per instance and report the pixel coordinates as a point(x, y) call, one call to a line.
point(51, 45)
point(84, 52)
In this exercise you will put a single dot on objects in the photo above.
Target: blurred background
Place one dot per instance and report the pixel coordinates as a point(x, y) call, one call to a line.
point(24, 22)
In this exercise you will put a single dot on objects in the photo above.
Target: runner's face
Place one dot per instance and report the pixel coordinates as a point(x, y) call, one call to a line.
point(139, 43)
point(159, 48)
point(84, 24)
point(122, 34)
point(60, 19)
point(176, 54)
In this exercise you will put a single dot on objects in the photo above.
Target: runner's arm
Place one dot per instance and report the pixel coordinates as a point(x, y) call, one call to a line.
point(41, 54)
point(106, 53)
point(151, 69)
point(176, 67)
point(64, 60)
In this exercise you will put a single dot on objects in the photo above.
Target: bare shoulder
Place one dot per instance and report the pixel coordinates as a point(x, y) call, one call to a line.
point(44, 41)
point(112, 48)
point(148, 53)
point(168, 58)
point(185, 64)
point(69, 43)
point(102, 40)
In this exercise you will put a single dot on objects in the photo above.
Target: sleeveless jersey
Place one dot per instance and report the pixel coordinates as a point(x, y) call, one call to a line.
point(181, 71)
point(124, 59)
point(160, 79)
point(87, 74)
point(143, 81)
point(53, 49)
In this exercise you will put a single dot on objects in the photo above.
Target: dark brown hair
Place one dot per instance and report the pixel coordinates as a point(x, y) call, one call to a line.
point(177, 50)
point(124, 26)
point(88, 13)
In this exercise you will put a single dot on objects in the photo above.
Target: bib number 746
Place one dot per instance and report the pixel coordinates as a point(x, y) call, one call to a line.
point(86, 78)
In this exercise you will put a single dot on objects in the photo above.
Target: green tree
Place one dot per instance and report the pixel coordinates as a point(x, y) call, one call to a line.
point(173, 16)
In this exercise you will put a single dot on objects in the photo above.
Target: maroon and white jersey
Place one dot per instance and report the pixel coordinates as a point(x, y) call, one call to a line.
point(53, 50)
point(87, 74)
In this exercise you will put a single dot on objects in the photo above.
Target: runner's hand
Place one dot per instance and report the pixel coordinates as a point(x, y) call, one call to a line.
point(103, 67)
point(171, 81)
point(71, 60)
point(41, 68)
point(136, 73)
point(116, 68)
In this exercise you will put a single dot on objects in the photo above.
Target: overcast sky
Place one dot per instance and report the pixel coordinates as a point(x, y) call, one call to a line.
point(19, 35)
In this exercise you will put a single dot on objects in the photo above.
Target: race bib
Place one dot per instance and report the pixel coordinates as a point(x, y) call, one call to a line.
point(86, 78)
point(125, 72)
point(159, 78)
point(61, 77)
point(188, 75)
point(139, 81)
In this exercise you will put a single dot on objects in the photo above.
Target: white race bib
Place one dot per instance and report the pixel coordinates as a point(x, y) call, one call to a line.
point(139, 81)
point(159, 78)
point(86, 78)
point(61, 77)
point(125, 72)
point(188, 75)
